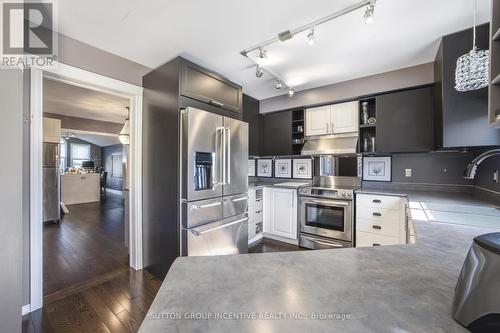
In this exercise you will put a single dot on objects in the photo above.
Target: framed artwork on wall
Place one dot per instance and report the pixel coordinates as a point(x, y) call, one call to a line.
point(302, 168)
point(283, 168)
point(251, 167)
point(265, 168)
point(377, 168)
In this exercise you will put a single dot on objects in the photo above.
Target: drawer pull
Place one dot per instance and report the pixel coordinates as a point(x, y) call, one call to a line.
point(376, 244)
point(377, 214)
point(377, 201)
point(377, 227)
point(219, 104)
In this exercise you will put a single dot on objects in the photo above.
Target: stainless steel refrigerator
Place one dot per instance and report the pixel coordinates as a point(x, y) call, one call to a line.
point(214, 184)
point(51, 185)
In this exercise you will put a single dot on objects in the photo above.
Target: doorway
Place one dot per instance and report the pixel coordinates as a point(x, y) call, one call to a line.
point(103, 218)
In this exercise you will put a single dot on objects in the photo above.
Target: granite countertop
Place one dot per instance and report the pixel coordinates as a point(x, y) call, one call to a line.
point(281, 183)
point(401, 288)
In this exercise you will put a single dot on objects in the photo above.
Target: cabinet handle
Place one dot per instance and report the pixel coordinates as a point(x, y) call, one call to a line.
point(377, 227)
point(377, 214)
point(376, 244)
point(216, 103)
point(376, 201)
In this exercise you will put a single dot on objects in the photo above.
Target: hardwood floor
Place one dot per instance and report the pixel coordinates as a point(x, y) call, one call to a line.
point(117, 305)
point(86, 245)
point(266, 245)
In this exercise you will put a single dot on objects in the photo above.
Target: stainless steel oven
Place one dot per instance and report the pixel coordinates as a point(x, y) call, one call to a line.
point(326, 218)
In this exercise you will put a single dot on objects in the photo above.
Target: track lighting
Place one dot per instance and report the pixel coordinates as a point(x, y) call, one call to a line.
point(259, 71)
point(262, 53)
point(310, 37)
point(291, 92)
point(369, 13)
point(278, 84)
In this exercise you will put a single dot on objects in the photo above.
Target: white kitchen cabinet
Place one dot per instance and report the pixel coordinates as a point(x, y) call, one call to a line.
point(380, 220)
point(280, 213)
point(255, 215)
point(80, 188)
point(51, 130)
point(345, 117)
point(332, 119)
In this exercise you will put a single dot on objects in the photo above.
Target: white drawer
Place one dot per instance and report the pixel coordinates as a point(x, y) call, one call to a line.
point(259, 204)
point(386, 229)
point(378, 201)
point(378, 214)
point(259, 216)
point(365, 239)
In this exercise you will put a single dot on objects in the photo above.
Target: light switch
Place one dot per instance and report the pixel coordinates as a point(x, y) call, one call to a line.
point(407, 172)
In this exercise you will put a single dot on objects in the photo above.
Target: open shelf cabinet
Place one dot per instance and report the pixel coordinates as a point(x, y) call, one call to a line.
point(494, 88)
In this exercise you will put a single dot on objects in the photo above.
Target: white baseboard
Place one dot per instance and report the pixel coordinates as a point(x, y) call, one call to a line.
point(281, 239)
point(256, 238)
point(25, 309)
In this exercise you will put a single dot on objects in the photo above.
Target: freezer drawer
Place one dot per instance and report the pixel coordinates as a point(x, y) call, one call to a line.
point(201, 212)
point(229, 236)
point(235, 205)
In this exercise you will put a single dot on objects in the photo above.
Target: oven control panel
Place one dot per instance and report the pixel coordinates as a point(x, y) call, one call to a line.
point(326, 193)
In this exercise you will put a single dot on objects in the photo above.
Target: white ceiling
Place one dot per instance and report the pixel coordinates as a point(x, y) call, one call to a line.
point(151, 32)
point(98, 139)
point(68, 100)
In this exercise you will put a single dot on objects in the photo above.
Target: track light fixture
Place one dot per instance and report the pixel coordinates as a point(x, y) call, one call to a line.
point(369, 13)
point(291, 92)
point(278, 84)
point(310, 37)
point(259, 71)
point(262, 53)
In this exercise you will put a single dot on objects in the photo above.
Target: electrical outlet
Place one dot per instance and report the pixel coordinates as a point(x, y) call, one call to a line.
point(495, 176)
point(407, 172)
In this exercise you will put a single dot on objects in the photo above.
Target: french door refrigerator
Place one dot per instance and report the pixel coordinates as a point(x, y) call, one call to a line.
point(214, 184)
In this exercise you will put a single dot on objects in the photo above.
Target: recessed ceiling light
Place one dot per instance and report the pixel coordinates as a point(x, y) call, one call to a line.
point(310, 37)
point(259, 71)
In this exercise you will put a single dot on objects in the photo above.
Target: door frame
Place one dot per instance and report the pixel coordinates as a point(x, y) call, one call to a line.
point(86, 79)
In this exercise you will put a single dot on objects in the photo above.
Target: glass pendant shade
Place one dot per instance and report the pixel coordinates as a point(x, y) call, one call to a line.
point(124, 135)
point(472, 70)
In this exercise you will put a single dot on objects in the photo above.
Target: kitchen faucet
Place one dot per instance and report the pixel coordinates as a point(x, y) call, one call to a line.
point(470, 171)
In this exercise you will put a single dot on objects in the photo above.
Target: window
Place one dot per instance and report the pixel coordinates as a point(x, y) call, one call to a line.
point(63, 154)
point(79, 152)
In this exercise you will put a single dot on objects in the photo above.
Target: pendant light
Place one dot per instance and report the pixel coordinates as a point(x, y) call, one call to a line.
point(473, 68)
point(124, 135)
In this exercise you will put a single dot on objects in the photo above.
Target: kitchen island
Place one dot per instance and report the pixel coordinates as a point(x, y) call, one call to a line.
point(401, 288)
point(80, 188)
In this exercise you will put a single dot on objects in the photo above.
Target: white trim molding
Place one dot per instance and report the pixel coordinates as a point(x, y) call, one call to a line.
point(89, 80)
point(25, 309)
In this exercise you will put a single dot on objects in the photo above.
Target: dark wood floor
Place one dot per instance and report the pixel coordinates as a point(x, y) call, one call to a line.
point(117, 305)
point(266, 245)
point(87, 244)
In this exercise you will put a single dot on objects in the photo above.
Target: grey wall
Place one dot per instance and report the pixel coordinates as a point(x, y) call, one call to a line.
point(113, 183)
point(11, 129)
point(484, 177)
point(398, 79)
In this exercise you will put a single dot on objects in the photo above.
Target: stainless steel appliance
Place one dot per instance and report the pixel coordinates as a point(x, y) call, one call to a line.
point(214, 184)
point(476, 304)
point(326, 212)
point(343, 165)
point(51, 183)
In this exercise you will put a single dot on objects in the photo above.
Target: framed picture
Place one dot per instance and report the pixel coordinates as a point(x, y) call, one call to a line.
point(377, 168)
point(251, 167)
point(302, 168)
point(283, 168)
point(265, 168)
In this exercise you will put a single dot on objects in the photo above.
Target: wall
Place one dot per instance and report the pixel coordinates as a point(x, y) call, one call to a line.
point(11, 149)
point(113, 183)
point(348, 90)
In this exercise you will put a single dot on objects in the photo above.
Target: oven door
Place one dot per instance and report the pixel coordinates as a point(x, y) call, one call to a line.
point(326, 217)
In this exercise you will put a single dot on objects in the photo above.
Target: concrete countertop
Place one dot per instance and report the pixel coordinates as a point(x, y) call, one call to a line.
point(401, 288)
point(281, 183)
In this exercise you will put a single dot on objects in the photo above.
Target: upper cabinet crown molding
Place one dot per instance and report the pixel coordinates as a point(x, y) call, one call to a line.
point(332, 119)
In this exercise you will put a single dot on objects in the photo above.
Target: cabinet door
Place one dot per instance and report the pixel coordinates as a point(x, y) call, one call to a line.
point(318, 120)
point(280, 212)
point(405, 121)
point(51, 130)
point(345, 117)
point(253, 118)
point(202, 85)
point(277, 133)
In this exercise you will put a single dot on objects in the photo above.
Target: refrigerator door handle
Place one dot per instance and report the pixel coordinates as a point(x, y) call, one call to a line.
point(219, 157)
point(228, 157)
point(199, 233)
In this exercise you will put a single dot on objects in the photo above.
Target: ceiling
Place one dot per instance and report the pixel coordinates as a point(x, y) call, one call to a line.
point(98, 139)
point(405, 33)
point(68, 100)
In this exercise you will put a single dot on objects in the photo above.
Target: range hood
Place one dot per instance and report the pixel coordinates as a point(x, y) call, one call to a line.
point(324, 145)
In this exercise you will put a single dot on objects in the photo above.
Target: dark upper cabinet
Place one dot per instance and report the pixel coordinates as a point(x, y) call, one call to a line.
point(405, 121)
point(461, 117)
point(252, 117)
point(277, 133)
point(200, 84)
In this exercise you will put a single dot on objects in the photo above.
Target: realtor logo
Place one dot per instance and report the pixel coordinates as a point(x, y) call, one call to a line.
point(28, 33)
